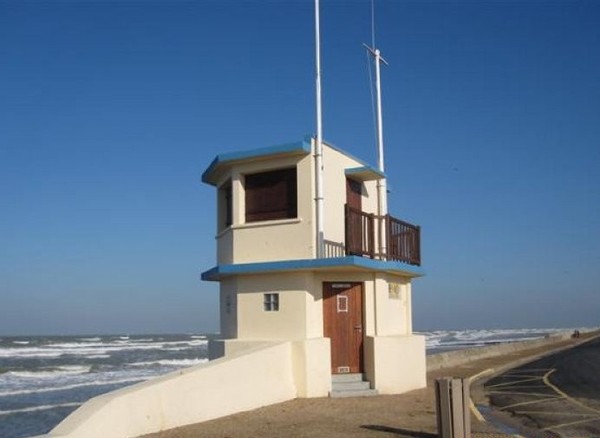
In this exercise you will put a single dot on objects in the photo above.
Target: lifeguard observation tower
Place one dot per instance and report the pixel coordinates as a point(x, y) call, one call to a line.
point(340, 294)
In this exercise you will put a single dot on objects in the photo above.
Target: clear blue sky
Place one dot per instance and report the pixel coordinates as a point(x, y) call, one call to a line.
point(110, 111)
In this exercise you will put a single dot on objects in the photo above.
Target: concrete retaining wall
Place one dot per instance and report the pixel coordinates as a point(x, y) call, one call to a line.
point(459, 357)
point(386, 366)
point(222, 387)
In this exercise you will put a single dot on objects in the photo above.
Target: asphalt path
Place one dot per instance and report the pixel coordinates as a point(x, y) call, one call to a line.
point(558, 395)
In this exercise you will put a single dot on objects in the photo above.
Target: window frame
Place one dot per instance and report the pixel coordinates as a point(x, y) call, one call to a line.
point(225, 199)
point(271, 195)
point(271, 302)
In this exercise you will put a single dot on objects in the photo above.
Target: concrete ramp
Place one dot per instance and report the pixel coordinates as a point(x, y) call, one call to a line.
point(236, 383)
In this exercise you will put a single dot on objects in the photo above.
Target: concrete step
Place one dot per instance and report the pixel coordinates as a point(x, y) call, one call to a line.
point(347, 386)
point(355, 377)
point(350, 385)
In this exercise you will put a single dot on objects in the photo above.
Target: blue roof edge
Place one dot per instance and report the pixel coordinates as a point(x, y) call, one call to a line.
point(355, 170)
point(303, 145)
point(220, 271)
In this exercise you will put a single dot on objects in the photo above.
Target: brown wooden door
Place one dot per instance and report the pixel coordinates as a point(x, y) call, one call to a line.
point(343, 324)
point(354, 228)
point(354, 194)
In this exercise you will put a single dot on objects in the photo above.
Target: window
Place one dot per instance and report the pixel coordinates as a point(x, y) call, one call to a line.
point(225, 205)
point(271, 195)
point(271, 302)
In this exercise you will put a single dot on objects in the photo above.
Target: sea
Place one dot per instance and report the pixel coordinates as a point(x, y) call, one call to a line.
point(45, 378)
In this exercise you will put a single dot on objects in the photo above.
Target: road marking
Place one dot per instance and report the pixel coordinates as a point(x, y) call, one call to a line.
point(564, 414)
point(532, 394)
point(568, 398)
point(530, 402)
point(526, 370)
point(480, 374)
point(565, 395)
point(475, 411)
point(520, 386)
point(573, 423)
point(516, 381)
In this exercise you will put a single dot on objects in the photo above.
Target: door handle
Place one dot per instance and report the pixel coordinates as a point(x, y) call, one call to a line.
point(358, 327)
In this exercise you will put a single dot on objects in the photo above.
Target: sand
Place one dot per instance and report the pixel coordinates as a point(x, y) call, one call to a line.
point(407, 415)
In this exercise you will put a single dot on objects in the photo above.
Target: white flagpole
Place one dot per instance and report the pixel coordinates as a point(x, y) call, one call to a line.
point(319, 140)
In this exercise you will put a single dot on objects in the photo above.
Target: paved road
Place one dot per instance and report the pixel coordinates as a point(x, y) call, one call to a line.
point(558, 394)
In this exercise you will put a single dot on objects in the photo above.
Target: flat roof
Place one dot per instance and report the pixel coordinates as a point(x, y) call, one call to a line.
point(223, 161)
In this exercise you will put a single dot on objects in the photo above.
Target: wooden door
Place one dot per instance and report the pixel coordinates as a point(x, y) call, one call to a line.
point(354, 194)
point(343, 324)
point(354, 228)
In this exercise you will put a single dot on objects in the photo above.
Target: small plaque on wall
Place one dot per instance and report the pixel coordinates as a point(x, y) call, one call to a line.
point(394, 291)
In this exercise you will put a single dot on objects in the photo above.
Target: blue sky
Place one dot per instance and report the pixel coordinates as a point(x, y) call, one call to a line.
point(110, 111)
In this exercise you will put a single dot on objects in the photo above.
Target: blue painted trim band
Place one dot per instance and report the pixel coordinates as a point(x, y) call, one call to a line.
point(300, 147)
point(365, 172)
point(220, 271)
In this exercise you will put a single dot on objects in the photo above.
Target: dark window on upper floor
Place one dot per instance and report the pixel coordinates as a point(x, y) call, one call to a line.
point(271, 195)
point(225, 205)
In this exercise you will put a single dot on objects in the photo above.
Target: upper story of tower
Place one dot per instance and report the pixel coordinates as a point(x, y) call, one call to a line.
point(266, 209)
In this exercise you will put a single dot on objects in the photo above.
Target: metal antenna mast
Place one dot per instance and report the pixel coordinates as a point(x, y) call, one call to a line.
point(381, 184)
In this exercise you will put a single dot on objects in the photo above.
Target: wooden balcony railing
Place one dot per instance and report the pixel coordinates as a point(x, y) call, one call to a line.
point(396, 240)
point(403, 241)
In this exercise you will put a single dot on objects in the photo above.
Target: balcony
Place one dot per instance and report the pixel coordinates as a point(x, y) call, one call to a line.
point(378, 237)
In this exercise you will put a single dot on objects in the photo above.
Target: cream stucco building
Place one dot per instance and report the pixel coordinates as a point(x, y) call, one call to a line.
point(346, 310)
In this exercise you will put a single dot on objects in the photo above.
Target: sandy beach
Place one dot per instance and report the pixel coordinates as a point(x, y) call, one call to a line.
point(406, 415)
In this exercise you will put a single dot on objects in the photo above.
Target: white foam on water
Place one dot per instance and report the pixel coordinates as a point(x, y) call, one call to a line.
point(440, 339)
point(21, 342)
point(73, 386)
point(39, 408)
point(95, 349)
point(20, 353)
point(63, 370)
point(169, 362)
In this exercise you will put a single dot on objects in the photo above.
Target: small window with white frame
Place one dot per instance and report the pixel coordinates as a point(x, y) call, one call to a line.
point(271, 302)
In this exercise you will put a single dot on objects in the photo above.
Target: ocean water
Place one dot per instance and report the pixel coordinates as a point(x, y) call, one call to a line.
point(45, 378)
point(447, 340)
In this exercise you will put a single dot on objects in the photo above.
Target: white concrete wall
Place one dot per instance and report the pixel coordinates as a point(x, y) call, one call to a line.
point(228, 307)
point(289, 322)
point(395, 364)
point(392, 305)
point(215, 389)
point(312, 367)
